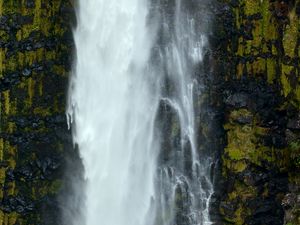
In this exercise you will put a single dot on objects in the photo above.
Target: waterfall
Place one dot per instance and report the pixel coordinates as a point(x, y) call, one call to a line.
point(133, 112)
point(184, 185)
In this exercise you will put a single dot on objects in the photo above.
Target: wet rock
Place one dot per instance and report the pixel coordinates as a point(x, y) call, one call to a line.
point(264, 207)
point(227, 208)
point(48, 165)
point(289, 200)
point(246, 119)
point(290, 136)
point(4, 164)
point(237, 100)
point(294, 123)
point(18, 204)
point(26, 72)
point(281, 9)
point(25, 172)
point(274, 139)
point(265, 211)
point(10, 176)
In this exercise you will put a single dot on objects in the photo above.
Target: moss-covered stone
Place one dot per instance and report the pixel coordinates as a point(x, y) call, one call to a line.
point(259, 42)
point(35, 59)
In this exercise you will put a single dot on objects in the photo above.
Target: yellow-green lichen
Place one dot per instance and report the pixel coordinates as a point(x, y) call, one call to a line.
point(42, 111)
point(37, 13)
point(286, 87)
point(10, 154)
point(6, 99)
point(235, 166)
point(1, 149)
point(2, 58)
point(11, 127)
point(31, 85)
point(268, 24)
point(2, 181)
point(258, 66)
point(40, 88)
point(290, 36)
point(1, 7)
point(251, 7)
point(26, 97)
point(271, 70)
point(297, 94)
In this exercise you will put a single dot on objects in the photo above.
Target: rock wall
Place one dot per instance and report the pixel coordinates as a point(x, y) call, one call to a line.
point(257, 52)
point(35, 60)
point(255, 95)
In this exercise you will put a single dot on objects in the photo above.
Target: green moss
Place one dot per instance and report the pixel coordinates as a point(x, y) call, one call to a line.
point(37, 13)
point(241, 193)
point(241, 141)
point(31, 85)
point(41, 111)
point(28, 97)
point(1, 12)
point(290, 36)
point(42, 189)
point(294, 148)
point(239, 166)
point(40, 88)
point(60, 70)
point(251, 7)
point(268, 26)
point(240, 50)
point(271, 70)
point(258, 66)
point(2, 181)
point(261, 55)
point(6, 97)
point(286, 87)
point(297, 94)
point(236, 154)
point(12, 218)
point(239, 218)
point(2, 58)
point(1, 149)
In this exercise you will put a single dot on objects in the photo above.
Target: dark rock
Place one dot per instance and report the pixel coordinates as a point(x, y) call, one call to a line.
point(265, 211)
point(18, 204)
point(24, 172)
point(4, 164)
point(10, 176)
point(289, 200)
point(228, 209)
point(290, 136)
point(244, 119)
point(26, 72)
point(238, 100)
point(294, 123)
point(48, 165)
point(275, 139)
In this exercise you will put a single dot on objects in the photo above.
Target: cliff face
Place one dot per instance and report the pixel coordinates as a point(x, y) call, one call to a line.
point(35, 59)
point(257, 87)
point(258, 54)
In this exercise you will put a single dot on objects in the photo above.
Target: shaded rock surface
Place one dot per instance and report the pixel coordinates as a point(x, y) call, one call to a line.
point(257, 53)
point(35, 59)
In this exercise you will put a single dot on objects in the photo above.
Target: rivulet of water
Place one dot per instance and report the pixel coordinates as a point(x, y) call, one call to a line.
point(184, 185)
point(133, 112)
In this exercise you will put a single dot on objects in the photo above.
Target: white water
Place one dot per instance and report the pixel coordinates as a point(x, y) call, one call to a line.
point(184, 175)
point(114, 97)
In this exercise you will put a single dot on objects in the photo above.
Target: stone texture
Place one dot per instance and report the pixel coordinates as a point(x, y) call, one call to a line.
point(35, 60)
point(257, 53)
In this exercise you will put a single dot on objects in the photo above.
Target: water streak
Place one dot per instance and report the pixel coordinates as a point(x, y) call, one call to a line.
point(133, 89)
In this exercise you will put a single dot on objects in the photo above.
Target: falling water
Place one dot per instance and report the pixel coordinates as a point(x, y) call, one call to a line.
point(133, 112)
point(184, 185)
